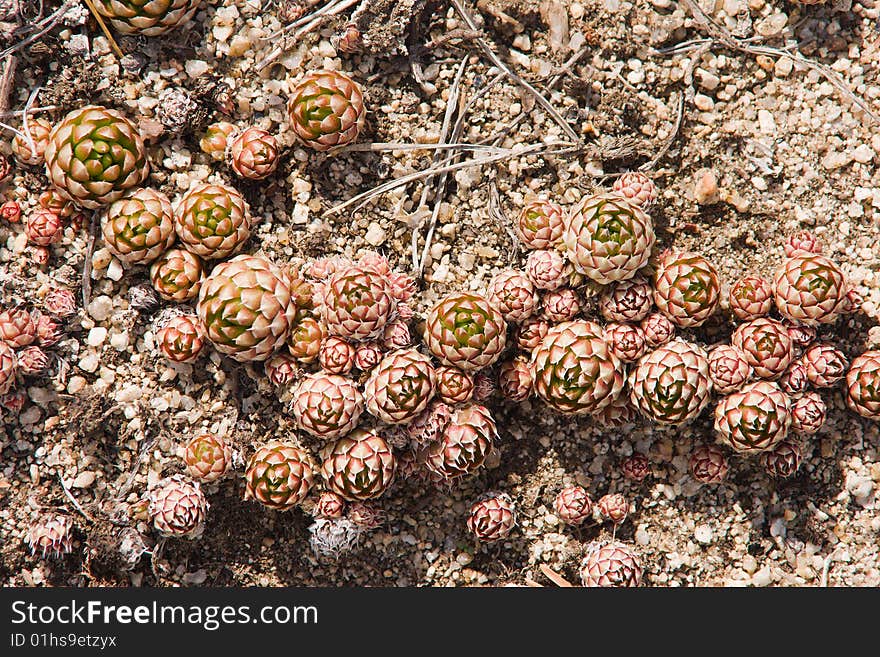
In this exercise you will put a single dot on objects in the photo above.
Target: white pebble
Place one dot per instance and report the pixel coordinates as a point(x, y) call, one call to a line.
point(375, 235)
point(100, 308)
point(96, 336)
point(114, 270)
point(703, 534)
point(89, 362)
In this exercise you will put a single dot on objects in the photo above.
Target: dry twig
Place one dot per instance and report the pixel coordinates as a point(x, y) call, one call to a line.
point(87, 265)
point(543, 102)
point(73, 501)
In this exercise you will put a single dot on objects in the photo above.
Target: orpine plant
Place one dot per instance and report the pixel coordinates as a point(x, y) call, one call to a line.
point(360, 466)
point(465, 330)
point(357, 303)
point(139, 227)
point(207, 457)
point(573, 505)
point(400, 386)
point(766, 346)
point(177, 507)
point(575, 371)
point(608, 238)
point(610, 565)
point(327, 406)
point(326, 110)
point(671, 384)
point(492, 517)
point(754, 419)
point(146, 18)
point(464, 444)
point(279, 475)
point(540, 224)
point(94, 156)
point(212, 220)
point(810, 289)
point(245, 308)
point(686, 288)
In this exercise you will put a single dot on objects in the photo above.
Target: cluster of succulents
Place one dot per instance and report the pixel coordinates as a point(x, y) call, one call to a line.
point(377, 403)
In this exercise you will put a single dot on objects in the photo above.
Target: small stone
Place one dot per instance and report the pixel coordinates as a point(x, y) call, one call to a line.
point(129, 393)
point(76, 384)
point(84, 479)
point(196, 578)
point(100, 259)
point(196, 67)
point(772, 25)
point(239, 45)
point(703, 534)
point(749, 564)
point(375, 235)
point(89, 362)
point(96, 336)
point(863, 154)
point(704, 103)
point(100, 308)
point(114, 270)
point(706, 187)
point(762, 577)
point(119, 341)
point(766, 122)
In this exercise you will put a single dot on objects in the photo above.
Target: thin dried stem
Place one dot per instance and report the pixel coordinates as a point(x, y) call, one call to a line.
point(451, 107)
point(87, 265)
point(6, 81)
point(25, 128)
point(543, 102)
point(445, 166)
point(42, 27)
point(308, 23)
point(73, 501)
point(116, 49)
point(381, 147)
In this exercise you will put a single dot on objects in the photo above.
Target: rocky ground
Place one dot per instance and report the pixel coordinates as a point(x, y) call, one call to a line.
point(755, 118)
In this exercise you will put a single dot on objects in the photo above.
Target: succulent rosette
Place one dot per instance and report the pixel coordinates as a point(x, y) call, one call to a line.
point(750, 297)
point(573, 505)
point(808, 413)
point(810, 289)
point(336, 355)
point(575, 371)
point(547, 269)
point(627, 301)
point(177, 275)
point(540, 224)
point(245, 308)
point(708, 464)
point(515, 379)
point(627, 341)
point(216, 139)
point(530, 333)
point(636, 188)
point(728, 369)
point(51, 534)
point(139, 227)
point(513, 294)
point(327, 406)
point(671, 384)
point(279, 475)
point(8, 368)
point(212, 220)
point(360, 466)
point(610, 565)
point(94, 156)
point(454, 386)
point(825, 364)
point(253, 153)
point(658, 329)
point(39, 130)
point(357, 303)
point(492, 517)
point(783, 460)
point(306, 338)
point(766, 346)
point(465, 330)
point(146, 17)
point(686, 288)
point(608, 238)
point(326, 110)
point(862, 385)
point(464, 444)
point(177, 507)
point(400, 386)
point(180, 340)
point(207, 457)
point(17, 327)
point(755, 418)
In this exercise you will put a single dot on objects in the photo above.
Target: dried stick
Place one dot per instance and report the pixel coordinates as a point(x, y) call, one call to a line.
point(91, 5)
point(73, 501)
point(308, 23)
point(379, 147)
point(6, 81)
point(87, 265)
point(42, 26)
point(543, 102)
point(555, 577)
point(451, 107)
point(445, 166)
